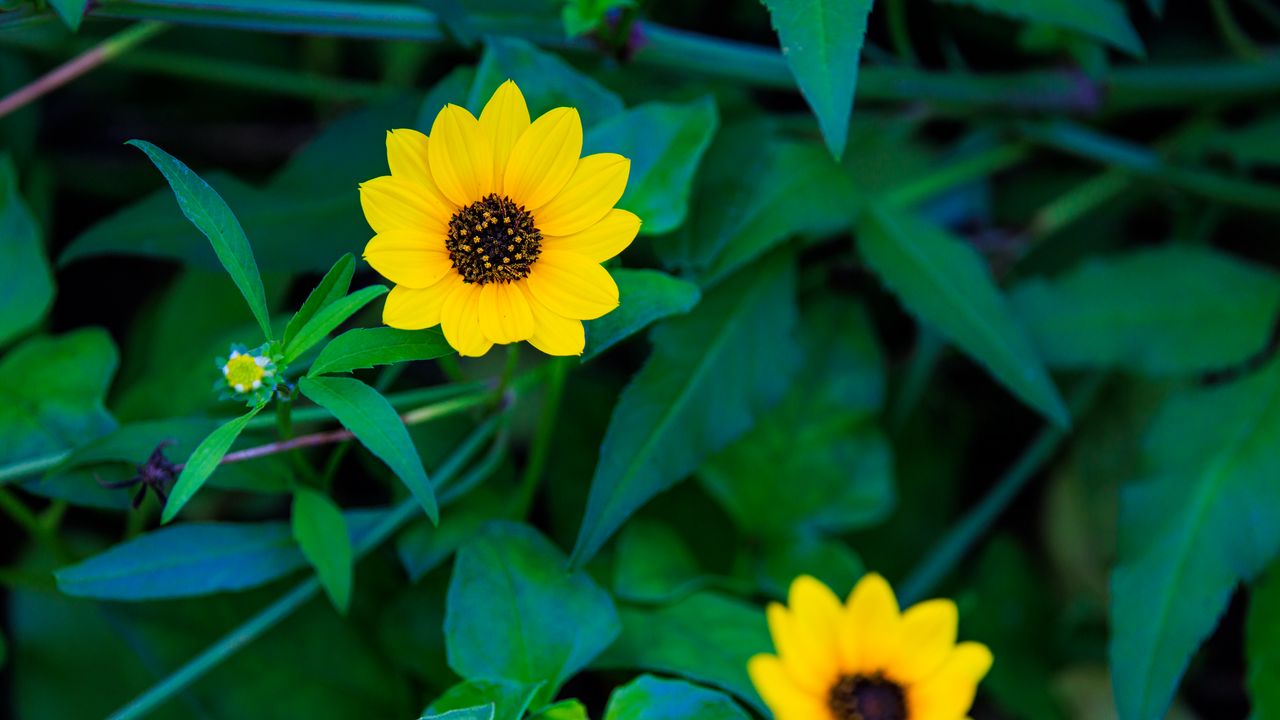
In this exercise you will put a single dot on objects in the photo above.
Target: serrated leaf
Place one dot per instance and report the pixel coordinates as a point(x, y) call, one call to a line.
point(1167, 310)
point(51, 393)
point(710, 375)
point(333, 285)
point(202, 462)
point(706, 637)
point(206, 209)
point(822, 43)
point(665, 143)
point(196, 559)
point(367, 347)
point(545, 80)
point(1102, 19)
point(645, 296)
point(329, 318)
point(1205, 516)
point(26, 283)
point(651, 698)
point(321, 532)
point(1262, 645)
point(946, 284)
point(378, 427)
point(510, 583)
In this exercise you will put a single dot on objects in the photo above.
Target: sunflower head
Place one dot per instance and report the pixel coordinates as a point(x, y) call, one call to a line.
point(495, 228)
point(865, 659)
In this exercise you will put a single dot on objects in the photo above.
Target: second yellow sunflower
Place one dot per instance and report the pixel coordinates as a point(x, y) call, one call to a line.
point(495, 228)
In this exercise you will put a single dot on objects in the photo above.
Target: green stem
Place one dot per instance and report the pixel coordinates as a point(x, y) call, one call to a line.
point(538, 453)
point(961, 538)
point(1232, 33)
point(21, 514)
point(959, 173)
point(285, 606)
point(899, 33)
point(928, 350)
point(399, 401)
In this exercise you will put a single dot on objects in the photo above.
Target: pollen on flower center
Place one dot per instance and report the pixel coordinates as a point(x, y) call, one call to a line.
point(244, 372)
point(493, 240)
point(867, 697)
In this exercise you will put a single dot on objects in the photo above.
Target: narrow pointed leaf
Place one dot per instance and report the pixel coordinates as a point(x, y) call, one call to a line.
point(366, 347)
point(26, 283)
point(321, 532)
point(328, 318)
point(333, 285)
point(203, 461)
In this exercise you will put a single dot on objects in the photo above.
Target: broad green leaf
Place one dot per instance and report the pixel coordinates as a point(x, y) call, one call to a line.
point(321, 533)
point(328, 319)
point(1204, 516)
point(706, 637)
point(545, 80)
point(665, 143)
point(482, 712)
point(514, 613)
point(650, 698)
point(196, 559)
point(830, 560)
point(946, 284)
point(26, 283)
point(333, 286)
point(1102, 19)
point(366, 347)
point(711, 373)
point(202, 462)
point(1169, 310)
point(822, 43)
point(653, 564)
point(645, 296)
point(210, 214)
point(1262, 645)
point(424, 547)
point(509, 700)
point(71, 12)
point(563, 710)
point(376, 425)
point(51, 393)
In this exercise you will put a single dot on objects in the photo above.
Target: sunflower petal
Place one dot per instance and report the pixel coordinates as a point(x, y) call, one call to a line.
point(553, 334)
point(775, 686)
point(504, 119)
point(544, 158)
point(928, 636)
point(949, 692)
point(795, 649)
point(393, 204)
point(461, 156)
point(601, 241)
point(415, 309)
point(460, 321)
point(870, 636)
point(573, 286)
point(816, 612)
point(414, 260)
point(596, 186)
point(408, 158)
point(505, 316)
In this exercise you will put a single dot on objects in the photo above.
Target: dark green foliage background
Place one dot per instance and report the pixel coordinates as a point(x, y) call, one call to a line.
point(1005, 331)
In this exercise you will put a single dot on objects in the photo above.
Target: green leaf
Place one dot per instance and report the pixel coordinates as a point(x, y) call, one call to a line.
point(203, 461)
point(582, 16)
point(706, 637)
point(650, 698)
point(665, 143)
point(26, 283)
point(333, 286)
point(515, 614)
point(1255, 144)
point(367, 347)
point(545, 80)
point(1205, 516)
point(508, 699)
point(51, 393)
point(710, 375)
point(1168, 310)
point(206, 209)
point(196, 559)
point(321, 532)
point(481, 712)
point(831, 561)
point(946, 284)
point(822, 42)
point(563, 710)
point(71, 12)
point(1102, 19)
point(646, 296)
point(376, 425)
point(424, 547)
point(1262, 645)
point(653, 564)
point(329, 318)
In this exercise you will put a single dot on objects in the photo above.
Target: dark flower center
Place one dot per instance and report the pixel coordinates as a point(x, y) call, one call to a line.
point(493, 240)
point(867, 697)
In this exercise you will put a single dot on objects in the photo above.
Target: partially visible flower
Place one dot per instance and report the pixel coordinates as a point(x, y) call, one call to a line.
point(495, 228)
point(864, 659)
point(248, 375)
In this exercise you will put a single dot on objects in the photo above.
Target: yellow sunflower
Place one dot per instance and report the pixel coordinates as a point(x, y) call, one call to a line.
point(865, 660)
point(495, 228)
